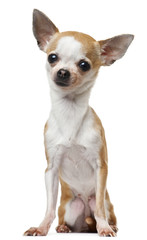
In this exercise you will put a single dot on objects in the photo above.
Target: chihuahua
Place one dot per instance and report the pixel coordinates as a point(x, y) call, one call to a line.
point(74, 137)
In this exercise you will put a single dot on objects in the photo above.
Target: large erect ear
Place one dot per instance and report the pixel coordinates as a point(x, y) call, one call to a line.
point(114, 48)
point(43, 28)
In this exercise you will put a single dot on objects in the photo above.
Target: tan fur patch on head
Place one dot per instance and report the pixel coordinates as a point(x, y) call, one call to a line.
point(91, 48)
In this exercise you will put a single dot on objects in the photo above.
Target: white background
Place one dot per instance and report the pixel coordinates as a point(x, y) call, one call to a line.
point(119, 98)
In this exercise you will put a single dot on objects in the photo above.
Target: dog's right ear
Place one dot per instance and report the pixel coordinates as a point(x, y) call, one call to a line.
point(43, 29)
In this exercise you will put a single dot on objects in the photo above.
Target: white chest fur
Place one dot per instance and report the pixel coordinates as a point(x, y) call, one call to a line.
point(77, 169)
point(73, 143)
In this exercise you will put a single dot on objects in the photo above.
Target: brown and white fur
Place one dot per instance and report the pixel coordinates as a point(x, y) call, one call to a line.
point(74, 137)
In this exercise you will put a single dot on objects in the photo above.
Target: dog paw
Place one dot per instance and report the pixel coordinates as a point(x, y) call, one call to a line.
point(35, 232)
point(63, 229)
point(103, 228)
point(106, 232)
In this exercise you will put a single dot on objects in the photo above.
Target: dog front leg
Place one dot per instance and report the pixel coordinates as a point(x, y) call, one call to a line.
point(52, 181)
point(102, 226)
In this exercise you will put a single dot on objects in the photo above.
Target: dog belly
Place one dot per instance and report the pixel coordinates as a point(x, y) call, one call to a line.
point(77, 172)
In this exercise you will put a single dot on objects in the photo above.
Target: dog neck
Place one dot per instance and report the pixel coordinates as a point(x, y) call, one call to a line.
point(69, 110)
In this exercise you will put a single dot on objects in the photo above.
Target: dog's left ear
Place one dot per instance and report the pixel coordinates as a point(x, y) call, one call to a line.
point(114, 48)
point(43, 29)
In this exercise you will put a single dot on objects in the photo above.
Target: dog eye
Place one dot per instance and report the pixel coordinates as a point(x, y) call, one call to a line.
point(52, 58)
point(85, 66)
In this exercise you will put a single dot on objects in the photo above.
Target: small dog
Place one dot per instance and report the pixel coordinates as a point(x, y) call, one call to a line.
point(74, 138)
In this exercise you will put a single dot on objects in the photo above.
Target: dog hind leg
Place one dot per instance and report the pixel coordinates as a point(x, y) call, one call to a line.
point(74, 210)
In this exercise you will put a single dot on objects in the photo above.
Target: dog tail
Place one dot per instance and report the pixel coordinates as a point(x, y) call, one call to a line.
point(91, 224)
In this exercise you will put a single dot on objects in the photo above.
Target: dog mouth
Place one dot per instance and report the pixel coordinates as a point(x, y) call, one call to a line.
point(61, 83)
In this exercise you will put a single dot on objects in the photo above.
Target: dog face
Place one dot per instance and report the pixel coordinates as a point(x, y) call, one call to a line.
point(73, 58)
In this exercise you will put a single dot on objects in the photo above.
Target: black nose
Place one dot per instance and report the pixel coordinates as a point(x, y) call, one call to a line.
point(63, 74)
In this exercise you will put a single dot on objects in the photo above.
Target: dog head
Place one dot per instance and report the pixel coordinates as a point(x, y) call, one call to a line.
point(73, 58)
